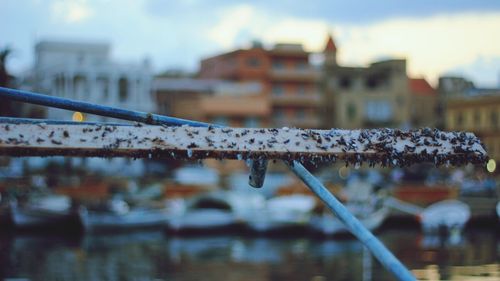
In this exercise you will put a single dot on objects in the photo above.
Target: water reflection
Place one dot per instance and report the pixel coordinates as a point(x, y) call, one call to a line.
point(155, 255)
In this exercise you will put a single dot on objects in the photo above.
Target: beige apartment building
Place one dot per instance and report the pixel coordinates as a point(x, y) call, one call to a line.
point(365, 97)
point(379, 95)
point(476, 111)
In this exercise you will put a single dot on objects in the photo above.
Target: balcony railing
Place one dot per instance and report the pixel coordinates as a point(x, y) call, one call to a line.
point(311, 98)
point(308, 73)
point(299, 122)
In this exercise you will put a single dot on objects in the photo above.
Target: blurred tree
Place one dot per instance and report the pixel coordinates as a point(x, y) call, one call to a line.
point(4, 76)
point(6, 107)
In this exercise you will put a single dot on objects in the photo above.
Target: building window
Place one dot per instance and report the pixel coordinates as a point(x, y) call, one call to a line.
point(55, 86)
point(371, 83)
point(301, 65)
point(277, 90)
point(253, 62)
point(164, 107)
point(61, 85)
point(278, 64)
point(123, 89)
point(378, 110)
point(279, 114)
point(345, 83)
point(477, 118)
point(460, 119)
point(375, 81)
point(494, 119)
point(103, 84)
point(351, 111)
point(80, 87)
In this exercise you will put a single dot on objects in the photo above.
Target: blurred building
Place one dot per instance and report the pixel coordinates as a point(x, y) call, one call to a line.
point(476, 110)
point(363, 97)
point(450, 86)
point(424, 104)
point(229, 103)
point(288, 80)
point(85, 71)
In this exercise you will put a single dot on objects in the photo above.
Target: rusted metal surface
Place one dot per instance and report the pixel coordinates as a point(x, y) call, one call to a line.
point(386, 147)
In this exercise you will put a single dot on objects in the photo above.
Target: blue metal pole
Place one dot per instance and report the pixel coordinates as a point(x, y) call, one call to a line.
point(15, 120)
point(388, 260)
point(114, 112)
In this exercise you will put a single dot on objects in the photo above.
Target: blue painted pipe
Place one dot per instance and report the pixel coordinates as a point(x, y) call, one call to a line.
point(386, 258)
point(12, 120)
point(114, 112)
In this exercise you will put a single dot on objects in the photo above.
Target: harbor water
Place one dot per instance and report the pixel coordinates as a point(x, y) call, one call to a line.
point(157, 255)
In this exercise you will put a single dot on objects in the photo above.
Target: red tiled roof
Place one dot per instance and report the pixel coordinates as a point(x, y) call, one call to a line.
point(420, 86)
point(330, 45)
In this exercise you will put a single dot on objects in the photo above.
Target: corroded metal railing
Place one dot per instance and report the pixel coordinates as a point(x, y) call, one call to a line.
point(168, 137)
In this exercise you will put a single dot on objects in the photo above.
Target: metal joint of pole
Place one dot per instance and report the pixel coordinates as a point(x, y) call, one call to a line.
point(257, 174)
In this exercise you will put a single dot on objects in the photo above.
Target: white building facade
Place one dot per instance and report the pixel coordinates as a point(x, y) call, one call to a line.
point(85, 72)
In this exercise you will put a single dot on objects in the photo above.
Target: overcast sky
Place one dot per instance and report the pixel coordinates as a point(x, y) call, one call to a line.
point(460, 37)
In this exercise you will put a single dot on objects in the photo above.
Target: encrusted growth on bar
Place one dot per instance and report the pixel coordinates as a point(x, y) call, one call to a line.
point(386, 147)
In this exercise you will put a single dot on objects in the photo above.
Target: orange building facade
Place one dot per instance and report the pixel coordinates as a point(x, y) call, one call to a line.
point(288, 80)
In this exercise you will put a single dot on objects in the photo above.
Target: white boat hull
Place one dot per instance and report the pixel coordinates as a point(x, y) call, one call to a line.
point(51, 210)
point(139, 218)
point(329, 225)
point(448, 215)
point(265, 221)
point(216, 211)
point(283, 212)
point(32, 217)
point(204, 219)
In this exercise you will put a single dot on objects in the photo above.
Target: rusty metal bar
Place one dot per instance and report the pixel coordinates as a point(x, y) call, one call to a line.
point(354, 146)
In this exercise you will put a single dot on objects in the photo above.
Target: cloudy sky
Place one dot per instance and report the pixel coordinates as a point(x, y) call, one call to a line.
point(455, 37)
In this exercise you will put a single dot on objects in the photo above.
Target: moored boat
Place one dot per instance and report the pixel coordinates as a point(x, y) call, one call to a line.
point(329, 224)
point(283, 213)
point(445, 217)
point(120, 216)
point(218, 210)
point(48, 212)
